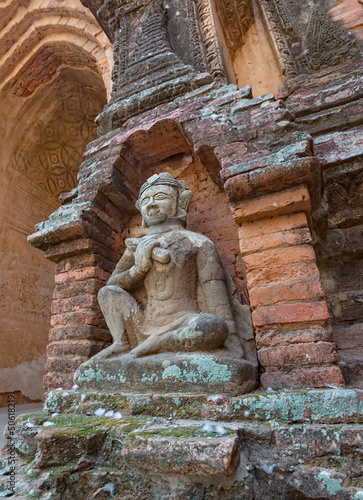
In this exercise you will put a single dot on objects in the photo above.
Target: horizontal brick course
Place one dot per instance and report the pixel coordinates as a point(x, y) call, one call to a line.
point(314, 353)
point(279, 257)
point(272, 205)
point(322, 376)
point(272, 225)
point(277, 275)
point(291, 313)
point(270, 336)
point(270, 295)
point(299, 236)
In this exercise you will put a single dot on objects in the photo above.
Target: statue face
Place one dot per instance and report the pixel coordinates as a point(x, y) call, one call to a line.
point(157, 204)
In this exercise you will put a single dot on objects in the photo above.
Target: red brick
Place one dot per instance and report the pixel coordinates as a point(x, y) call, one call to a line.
point(272, 205)
point(53, 381)
point(300, 236)
point(71, 289)
point(282, 274)
point(290, 313)
point(273, 336)
point(66, 364)
point(238, 187)
point(314, 353)
point(307, 290)
point(279, 257)
point(81, 274)
point(272, 225)
point(74, 303)
point(79, 332)
point(231, 154)
point(68, 348)
point(322, 376)
point(79, 318)
point(277, 335)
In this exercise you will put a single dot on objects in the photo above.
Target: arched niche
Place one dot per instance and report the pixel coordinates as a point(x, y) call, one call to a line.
point(43, 144)
point(247, 43)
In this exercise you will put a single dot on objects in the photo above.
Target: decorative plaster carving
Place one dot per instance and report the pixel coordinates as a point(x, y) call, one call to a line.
point(211, 44)
point(55, 153)
point(326, 43)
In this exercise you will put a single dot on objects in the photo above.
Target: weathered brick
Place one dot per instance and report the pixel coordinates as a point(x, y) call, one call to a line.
point(322, 376)
point(282, 274)
point(314, 353)
point(272, 225)
point(65, 364)
point(281, 256)
point(79, 332)
point(300, 236)
point(53, 381)
point(290, 313)
point(272, 205)
point(276, 335)
point(74, 303)
point(68, 289)
point(307, 290)
point(74, 348)
point(79, 318)
point(81, 274)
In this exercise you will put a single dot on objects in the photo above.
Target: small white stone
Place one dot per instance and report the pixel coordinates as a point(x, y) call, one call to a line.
point(100, 412)
point(59, 389)
point(247, 413)
point(269, 389)
point(48, 424)
point(83, 397)
point(207, 427)
point(109, 413)
point(214, 116)
point(177, 13)
point(65, 394)
point(75, 387)
point(220, 430)
point(110, 488)
point(55, 414)
point(29, 425)
point(215, 399)
point(117, 414)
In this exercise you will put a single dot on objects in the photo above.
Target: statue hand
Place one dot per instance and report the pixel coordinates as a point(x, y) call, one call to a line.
point(143, 254)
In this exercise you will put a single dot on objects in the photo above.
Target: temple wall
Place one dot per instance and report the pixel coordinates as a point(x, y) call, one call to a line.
point(51, 90)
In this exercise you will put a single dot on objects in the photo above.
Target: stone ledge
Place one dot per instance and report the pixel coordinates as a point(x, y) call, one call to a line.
point(310, 406)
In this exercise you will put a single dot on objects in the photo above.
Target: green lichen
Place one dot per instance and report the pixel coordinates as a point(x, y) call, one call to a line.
point(90, 374)
point(358, 495)
point(331, 484)
point(207, 370)
point(52, 402)
point(149, 378)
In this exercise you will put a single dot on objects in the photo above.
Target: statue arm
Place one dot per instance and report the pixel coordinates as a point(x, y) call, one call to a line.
point(213, 282)
point(125, 274)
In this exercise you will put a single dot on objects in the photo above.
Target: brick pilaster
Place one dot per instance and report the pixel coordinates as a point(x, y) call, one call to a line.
point(290, 315)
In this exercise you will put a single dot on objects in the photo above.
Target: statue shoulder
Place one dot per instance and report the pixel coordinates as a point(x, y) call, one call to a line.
point(198, 239)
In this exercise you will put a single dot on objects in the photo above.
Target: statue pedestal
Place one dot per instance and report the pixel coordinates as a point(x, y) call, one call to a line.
point(168, 372)
point(293, 444)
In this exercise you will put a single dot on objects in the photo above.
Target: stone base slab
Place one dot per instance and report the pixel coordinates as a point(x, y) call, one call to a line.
point(293, 444)
point(292, 407)
point(183, 373)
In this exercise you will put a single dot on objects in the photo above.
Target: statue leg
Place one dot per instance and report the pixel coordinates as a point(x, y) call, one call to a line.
point(123, 317)
point(202, 332)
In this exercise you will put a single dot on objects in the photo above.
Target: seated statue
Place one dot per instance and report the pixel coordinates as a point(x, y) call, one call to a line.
point(187, 307)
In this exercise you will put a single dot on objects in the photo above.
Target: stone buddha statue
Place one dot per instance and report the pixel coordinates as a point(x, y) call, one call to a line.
point(186, 321)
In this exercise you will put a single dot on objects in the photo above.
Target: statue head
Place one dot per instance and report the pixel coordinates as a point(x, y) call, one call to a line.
point(163, 197)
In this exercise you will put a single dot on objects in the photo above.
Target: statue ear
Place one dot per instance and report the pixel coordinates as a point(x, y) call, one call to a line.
point(183, 202)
